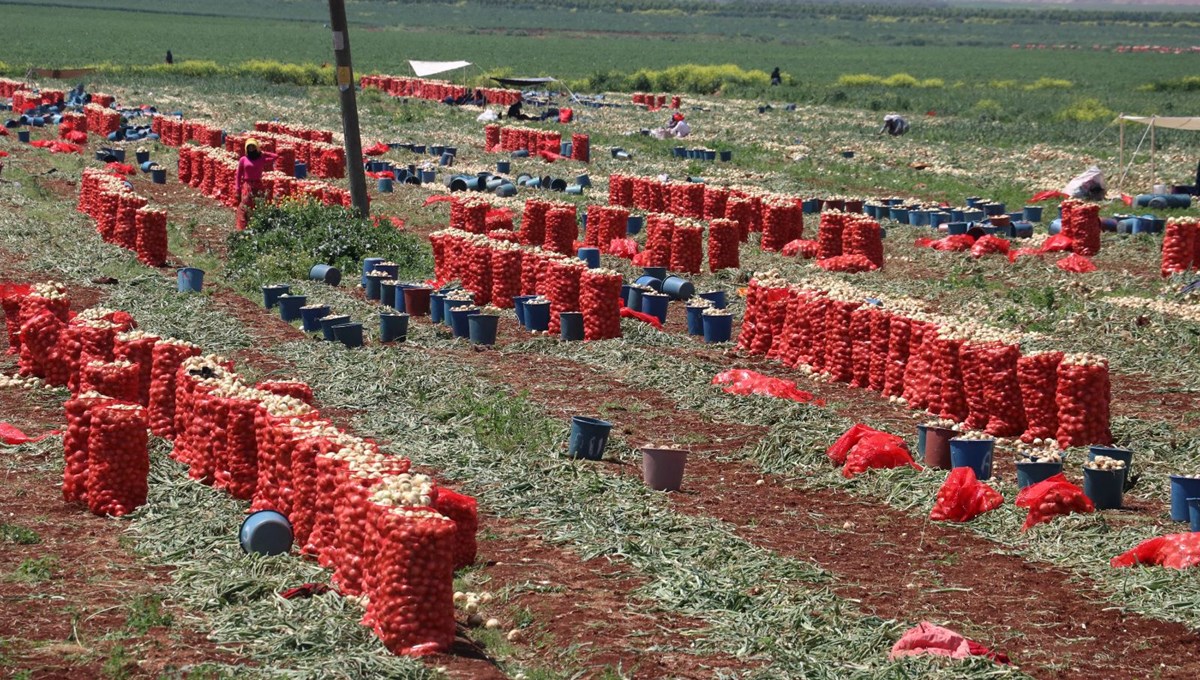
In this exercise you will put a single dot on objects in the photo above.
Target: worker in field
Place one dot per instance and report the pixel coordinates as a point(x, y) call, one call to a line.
point(894, 125)
point(776, 78)
point(170, 57)
point(247, 183)
point(678, 127)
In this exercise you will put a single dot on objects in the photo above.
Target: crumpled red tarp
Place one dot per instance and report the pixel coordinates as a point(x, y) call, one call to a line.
point(1175, 551)
point(120, 168)
point(9, 434)
point(851, 264)
point(927, 638)
point(988, 245)
point(800, 247)
point(1076, 264)
point(396, 222)
point(744, 382)
point(623, 247)
point(963, 497)
point(878, 451)
point(57, 146)
point(1052, 497)
point(377, 150)
point(441, 198)
point(838, 451)
point(385, 174)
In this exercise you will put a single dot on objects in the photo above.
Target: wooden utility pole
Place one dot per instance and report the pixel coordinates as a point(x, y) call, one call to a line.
point(344, 78)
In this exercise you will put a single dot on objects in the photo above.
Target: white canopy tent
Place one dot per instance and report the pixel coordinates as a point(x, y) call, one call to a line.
point(429, 68)
point(1170, 122)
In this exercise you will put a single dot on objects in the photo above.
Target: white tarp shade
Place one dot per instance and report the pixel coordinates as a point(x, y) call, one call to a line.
point(428, 68)
point(1171, 122)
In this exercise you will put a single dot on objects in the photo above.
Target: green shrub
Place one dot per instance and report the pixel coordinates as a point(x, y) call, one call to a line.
point(283, 241)
point(1184, 84)
point(987, 109)
point(900, 80)
point(859, 80)
point(1050, 84)
point(1088, 110)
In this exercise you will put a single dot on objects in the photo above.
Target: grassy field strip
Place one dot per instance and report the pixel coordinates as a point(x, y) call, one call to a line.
point(799, 435)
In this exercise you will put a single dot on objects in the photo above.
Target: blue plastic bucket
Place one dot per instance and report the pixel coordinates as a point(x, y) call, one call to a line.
point(811, 206)
point(589, 436)
point(310, 318)
point(369, 266)
point(1030, 472)
point(726, 156)
point(460, 320)
point(142, 156)
point(266, 532)
point(634, 224)
point(374, 287)
point(503, 166)
point(1194, 513)
point(506, 189)
point(973, 215)
point(710, 155)
point(449, 306)
point(993, 209)
point(589, 255)
point(957, 214)
point(349, 334)
point(1106, 488)
point(328, 323)
point(146, 166)
point(937, 218)
point(189, 280)
point(914, 217)
point(975, 454)
point(393, 327)
point(573, 189)
point(718, 327)
point(464, 183)
point(1119, 454)
point(158, 176)
point(679, 151)
point(695, 320)
point(656, 304)
point(446, 160)
point(571, 325)
point(565, 148)
point(973, 201)
point(520, 153)
point(392, 270)
point(956, 228)
point(1021, 230)
point(428, 176)
point(537, 316)
point(437, 306)
point(519, 307)
point(1182, 488)
point(23, 136)
point(388, 292)
point(384, 184)
point(650, 282)
point(289, 306)
point(481, 328)
point(634, 300)
point(625, 288)
point(271, 294)
point(678, 288)
point(716, 297)
point(300, 170)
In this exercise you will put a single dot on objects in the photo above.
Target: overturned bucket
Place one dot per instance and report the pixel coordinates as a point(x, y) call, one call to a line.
point(266, 532)
point(589, 437)
point(189, 280)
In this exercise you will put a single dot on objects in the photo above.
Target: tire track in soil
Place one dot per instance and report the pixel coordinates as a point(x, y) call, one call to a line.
point(1044, 621)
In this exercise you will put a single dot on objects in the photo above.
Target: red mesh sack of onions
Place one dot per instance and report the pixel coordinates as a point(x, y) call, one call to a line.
point(464, 512)
point(786, 345)
point(1050, 498)
point(118, 459)
point(963, 497)
point(561, 230)
point(1178, 248)
point(413, 601)
point(1076, 264)
point(723, 244)
point(533, 223)
point(1002, 391)
point(273, 414)
point(1037, 375)
point(469, 215)
point(117, 379)
point(850, 264)
point(125, 233)
point(947, 366)
point(506, 274)
point(1081, 221)
point(311, 439)
point(860, 347)
point(477, 277)
point(357, 488)
point(989, 245)
point(879, 450)
point(1083, 394)
point(288, 388)
point(613, 228)
point(917, 369)
point(623, 247)
point(331, 466)
point(778, 224)
point(620, 190)
point(87, 335)
point(600, 302)
point(196, 377)
point(861, 235)
point(829, 234)
point(1173, 551)
point(973, 358)
point(237, 457)
point(491, 138)
point(39, 340)
point(838, 340)
point(687, 249)
point(812, 329)
point(168, 355)
point(151, 237)
point(660, 236)
point(741, 211)
point(772, 301)
point(75, 444)
point(563, 289)
point(801, 248)
point(880, 335)
point(898, 343)
point(715, 199)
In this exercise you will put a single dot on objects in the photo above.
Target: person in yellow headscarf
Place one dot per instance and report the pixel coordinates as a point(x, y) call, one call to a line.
point(247, 183)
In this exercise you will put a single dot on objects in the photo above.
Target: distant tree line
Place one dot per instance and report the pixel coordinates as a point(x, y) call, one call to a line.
point(832, 9)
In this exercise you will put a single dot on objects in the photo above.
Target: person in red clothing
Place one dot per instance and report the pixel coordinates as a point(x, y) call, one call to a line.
point(248, 180)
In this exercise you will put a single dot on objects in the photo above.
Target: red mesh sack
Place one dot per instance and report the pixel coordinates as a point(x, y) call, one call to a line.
point(600, 302)
point(963, 497)
point(352, 508)
point(288, 388)
point(166, 358)
point(899, 339)
point(1174, 551)
point(1082, 397)
point(948, 376)
point(506, 276)
point(877, 451)
point(838, 340)
point(563, 289)
point(1052, 497)
point(39, 340)
point(973, 358)
point(1178, 247)
point(989, 245)
point(75, 445)
point(413, 599)
point(464, 511)
point(860, 347)
point(862, 236)
point(801, 248)
point(660, 235)
point(137, 348)
point(744, 382)
point(840, 449)
point(118, 459)
point(740, 211)
point(829, 234)
point(561, 230)
point(958, 243)
point(1076, 264)
point(687, 250)
point(849, 264)
point(880, 336)
point(237, 458)
point(533, 223)
point(1002, 391)
point(117, 379)
point(1037, 375)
